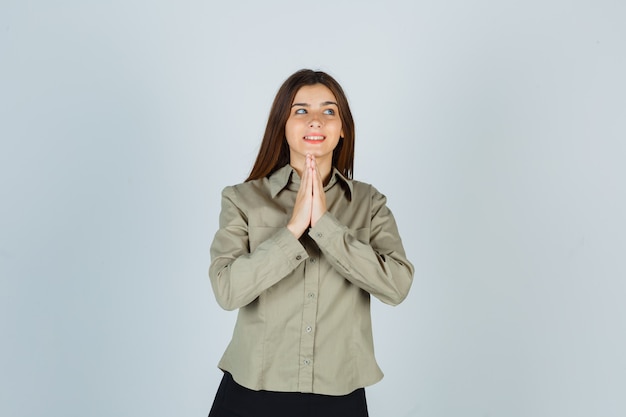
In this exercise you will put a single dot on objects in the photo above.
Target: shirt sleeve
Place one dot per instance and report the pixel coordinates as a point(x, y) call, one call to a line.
point(239, 276)
point(379, 267)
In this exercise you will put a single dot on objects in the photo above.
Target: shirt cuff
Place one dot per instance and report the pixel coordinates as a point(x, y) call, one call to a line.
point(290, 246)
point(326, 228)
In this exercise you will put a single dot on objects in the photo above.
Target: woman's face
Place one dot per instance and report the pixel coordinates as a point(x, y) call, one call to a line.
point(314, 126)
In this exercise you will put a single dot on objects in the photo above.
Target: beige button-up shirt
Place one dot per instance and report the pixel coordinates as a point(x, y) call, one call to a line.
point(304, 320)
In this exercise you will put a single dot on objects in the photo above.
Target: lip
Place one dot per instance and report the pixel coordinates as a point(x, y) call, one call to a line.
point(314, 137)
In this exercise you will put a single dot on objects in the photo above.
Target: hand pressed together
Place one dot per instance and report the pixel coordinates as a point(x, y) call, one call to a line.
point(310, 203)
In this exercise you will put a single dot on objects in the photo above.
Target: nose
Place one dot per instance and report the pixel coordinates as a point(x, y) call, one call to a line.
point(315, 121)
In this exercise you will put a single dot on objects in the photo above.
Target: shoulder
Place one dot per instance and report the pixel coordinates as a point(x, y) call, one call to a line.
point(363, 190)
point(248, 186)
point(247, 192)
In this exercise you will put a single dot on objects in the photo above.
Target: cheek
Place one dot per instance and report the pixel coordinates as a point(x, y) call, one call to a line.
point(288, 130)
point(339, 130)
point(292, 128)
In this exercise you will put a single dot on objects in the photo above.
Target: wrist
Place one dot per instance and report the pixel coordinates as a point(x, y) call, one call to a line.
point(317, 219)
point(296, 231)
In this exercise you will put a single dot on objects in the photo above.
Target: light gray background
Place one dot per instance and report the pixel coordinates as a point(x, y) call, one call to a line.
point(496, 129)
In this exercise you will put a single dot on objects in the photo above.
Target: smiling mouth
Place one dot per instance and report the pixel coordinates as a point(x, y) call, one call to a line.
point(314, 138)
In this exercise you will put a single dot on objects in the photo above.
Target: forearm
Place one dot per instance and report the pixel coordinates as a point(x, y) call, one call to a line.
point(238, 277)
point(378, 266)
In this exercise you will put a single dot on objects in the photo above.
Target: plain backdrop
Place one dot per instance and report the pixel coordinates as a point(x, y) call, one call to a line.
point(497, 130)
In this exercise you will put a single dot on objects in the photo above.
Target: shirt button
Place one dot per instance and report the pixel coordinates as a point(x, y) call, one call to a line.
point(307, 362)
point(312, 260)
point(298, 257)
point(311, 295)
point(320, 235)
point(309, 329)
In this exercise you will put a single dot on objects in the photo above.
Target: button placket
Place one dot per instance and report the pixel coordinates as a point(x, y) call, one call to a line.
point(309, 315)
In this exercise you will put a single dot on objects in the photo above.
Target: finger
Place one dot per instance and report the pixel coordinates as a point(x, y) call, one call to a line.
point(305, 177)
point(318, 175)
point(309, 174)
point(319, 197)
point(319, 183)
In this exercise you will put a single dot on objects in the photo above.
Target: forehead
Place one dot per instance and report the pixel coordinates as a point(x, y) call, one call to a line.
point(314, 94)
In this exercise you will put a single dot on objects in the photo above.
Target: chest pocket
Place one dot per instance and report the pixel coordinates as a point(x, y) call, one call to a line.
point(259, 234)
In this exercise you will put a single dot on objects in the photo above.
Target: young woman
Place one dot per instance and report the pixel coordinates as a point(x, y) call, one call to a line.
point(300, 249)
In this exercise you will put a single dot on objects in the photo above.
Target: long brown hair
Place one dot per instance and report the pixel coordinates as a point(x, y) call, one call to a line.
point(274, 151)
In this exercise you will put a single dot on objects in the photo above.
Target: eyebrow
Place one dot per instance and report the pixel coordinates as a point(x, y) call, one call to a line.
point(325, 103)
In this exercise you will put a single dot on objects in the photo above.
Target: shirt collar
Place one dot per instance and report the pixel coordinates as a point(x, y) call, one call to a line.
point(286, 176)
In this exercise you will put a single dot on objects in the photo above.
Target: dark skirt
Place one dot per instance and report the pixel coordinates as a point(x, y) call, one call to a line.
point(233, 400)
